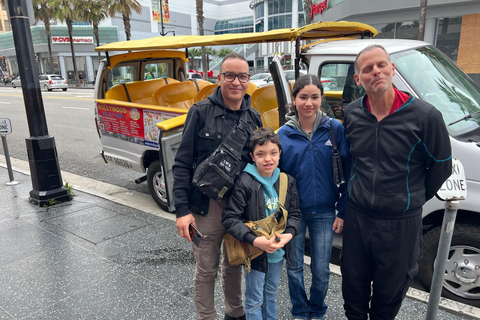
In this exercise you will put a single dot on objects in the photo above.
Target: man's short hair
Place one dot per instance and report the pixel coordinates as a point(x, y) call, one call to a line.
point(262, 136)
point(232, 55)
point(370, 48)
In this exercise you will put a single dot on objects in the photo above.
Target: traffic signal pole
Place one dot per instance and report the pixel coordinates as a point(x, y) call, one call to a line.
point(45, 172)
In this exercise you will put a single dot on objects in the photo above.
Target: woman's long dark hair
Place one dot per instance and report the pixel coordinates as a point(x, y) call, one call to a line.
point(301, 83)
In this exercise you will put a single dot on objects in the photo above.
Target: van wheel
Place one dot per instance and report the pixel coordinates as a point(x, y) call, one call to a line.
point(156, 184)
point(462, 269)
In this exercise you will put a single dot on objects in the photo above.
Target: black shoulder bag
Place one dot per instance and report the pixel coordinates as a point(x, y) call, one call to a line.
point(215, 175)
point(338, 177)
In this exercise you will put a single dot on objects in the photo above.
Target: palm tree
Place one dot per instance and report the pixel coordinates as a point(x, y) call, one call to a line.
point(125, 7)
point(66, 10)
point(210, 52)
point(307, 11)
point(223, 52)
point(201, 32)
point(94, 11)
point(192, 53)
point(43, 11)
point(421, 21)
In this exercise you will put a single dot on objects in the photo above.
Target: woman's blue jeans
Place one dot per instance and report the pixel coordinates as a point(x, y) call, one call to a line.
point(321, 240)
point(261, 292)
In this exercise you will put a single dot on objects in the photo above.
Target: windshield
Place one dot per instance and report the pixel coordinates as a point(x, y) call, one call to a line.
point(437, 80)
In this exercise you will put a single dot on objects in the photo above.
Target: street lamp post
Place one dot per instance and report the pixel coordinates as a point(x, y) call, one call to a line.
point(42, 154)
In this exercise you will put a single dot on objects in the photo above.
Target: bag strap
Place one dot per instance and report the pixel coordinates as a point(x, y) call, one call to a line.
point(238, 136)
point(283, 188)
point(332, 139)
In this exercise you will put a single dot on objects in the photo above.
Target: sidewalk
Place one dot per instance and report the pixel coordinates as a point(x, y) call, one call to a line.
point(93, 258)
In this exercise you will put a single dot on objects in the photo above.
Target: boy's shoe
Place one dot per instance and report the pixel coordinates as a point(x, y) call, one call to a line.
point(227, 317)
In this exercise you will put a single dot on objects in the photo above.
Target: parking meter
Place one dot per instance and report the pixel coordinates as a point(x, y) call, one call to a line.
point(452, 191)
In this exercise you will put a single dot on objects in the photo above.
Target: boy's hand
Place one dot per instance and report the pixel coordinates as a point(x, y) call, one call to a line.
point(283, 238)
point(266, 245)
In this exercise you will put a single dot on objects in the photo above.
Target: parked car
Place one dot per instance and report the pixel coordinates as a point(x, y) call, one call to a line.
point(16, 82)
point(259, 78)
point(52, 81)
point(194, 75)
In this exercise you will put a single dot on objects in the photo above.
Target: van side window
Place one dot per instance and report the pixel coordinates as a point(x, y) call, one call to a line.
point(122, 74)
point(339, 84)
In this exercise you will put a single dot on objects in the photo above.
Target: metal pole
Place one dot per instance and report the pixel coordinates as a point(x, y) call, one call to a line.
point(45, 172)
point(446, 234)
point(7, 160)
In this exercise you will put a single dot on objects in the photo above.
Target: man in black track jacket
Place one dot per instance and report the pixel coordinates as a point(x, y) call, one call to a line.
point(401, 156)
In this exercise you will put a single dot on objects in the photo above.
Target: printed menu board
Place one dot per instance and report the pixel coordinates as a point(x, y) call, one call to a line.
point(131, 124)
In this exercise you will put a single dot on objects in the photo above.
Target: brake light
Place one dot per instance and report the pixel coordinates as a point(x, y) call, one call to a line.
point(50, 81)
point(66, 82)
point(325, 81)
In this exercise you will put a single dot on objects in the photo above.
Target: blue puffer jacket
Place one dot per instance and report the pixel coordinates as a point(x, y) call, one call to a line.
point(309, 161)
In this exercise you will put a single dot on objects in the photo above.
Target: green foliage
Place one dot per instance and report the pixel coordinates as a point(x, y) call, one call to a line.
point(223, 52)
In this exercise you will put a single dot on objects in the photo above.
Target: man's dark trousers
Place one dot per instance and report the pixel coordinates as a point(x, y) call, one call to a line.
point(382, 248)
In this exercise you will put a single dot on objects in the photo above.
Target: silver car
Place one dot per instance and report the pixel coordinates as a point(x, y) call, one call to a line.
point(52, 81)
point(16, 82)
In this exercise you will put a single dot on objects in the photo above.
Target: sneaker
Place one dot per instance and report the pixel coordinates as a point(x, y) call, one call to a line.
point(227, 317)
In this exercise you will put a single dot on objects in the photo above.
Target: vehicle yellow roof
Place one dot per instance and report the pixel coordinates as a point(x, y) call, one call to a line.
point(320, 30)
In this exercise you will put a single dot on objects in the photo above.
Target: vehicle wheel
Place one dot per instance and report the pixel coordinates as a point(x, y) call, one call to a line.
point(462, 270)
point(13, 85)
point(156, 184)
point(64, 89)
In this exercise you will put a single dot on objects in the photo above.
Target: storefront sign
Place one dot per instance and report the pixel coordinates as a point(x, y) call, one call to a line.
point(318, 8)
point(75, 39)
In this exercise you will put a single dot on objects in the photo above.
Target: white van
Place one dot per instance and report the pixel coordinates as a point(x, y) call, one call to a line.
point(428, 74)
point(140, 122)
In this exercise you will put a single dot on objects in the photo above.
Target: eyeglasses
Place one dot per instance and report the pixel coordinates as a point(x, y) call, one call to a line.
point(230, 77)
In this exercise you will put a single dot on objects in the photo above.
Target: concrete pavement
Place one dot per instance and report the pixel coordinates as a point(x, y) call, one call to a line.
point(111, 253)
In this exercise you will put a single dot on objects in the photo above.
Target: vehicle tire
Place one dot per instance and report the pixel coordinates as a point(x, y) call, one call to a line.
point(64, 89)
point(13, 85)
point(462, 267)
point(156, 184)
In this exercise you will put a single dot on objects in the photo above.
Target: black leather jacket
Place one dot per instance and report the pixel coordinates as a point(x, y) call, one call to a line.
point(247, 202)
point(208, 123)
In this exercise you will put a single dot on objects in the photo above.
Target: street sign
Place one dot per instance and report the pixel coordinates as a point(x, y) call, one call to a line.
point(455, 187)
point(5, 126)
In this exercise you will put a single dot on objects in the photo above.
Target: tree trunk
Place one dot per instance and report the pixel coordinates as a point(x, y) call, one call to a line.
point(126, 24)
point(307, 9)
point(421, 21)
point(70, 34)
point(97, 37)
point(49, 41)
point(201, 32)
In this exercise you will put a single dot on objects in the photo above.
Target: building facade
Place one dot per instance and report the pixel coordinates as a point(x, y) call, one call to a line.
point(451, 25)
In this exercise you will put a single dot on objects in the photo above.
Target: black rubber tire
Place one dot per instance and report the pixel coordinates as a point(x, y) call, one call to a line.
point(465, 241)
point(64, 89)
point(13, 85)
point(156, 184)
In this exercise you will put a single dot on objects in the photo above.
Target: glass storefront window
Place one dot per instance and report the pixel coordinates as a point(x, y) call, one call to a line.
point(385, 31)
point(259, 10)
point(448, 36)
point(407, 30)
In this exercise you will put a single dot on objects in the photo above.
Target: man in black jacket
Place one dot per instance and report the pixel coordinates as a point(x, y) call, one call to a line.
point(401, 155)
point(208, 123)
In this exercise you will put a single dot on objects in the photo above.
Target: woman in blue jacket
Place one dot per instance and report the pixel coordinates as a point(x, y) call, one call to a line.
point(307, 156)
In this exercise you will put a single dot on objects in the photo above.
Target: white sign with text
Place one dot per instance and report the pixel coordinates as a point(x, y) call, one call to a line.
point(455, 187)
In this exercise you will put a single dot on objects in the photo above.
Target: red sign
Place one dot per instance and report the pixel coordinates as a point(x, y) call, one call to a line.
point(75, 39)
point(318, 8)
